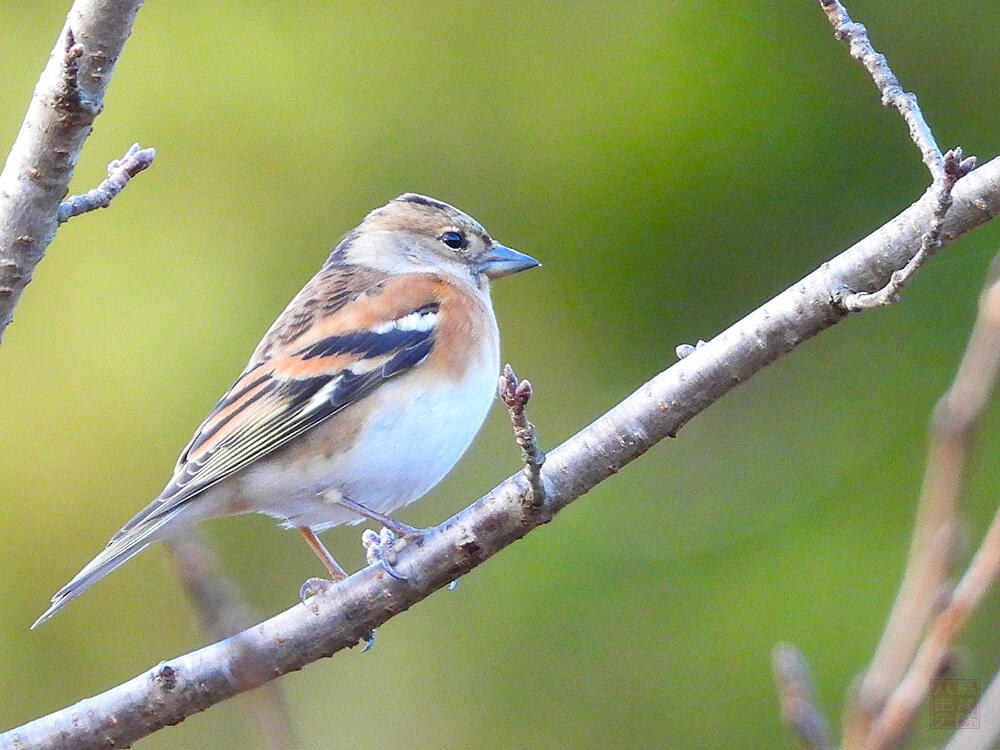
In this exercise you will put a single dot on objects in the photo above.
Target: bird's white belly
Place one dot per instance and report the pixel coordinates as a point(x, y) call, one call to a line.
point(416, 433)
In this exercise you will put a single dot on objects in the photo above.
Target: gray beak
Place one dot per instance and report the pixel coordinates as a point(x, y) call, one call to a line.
point(499, 261)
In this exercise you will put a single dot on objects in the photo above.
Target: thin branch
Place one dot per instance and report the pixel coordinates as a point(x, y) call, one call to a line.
point(798, 703)
point(120, 171)
point(894, 722)
point(945, 169)
point(515, 396)
point(893, 96)
point(223, 612)
point(952, 432)
point(68, 96)
point(344, 614)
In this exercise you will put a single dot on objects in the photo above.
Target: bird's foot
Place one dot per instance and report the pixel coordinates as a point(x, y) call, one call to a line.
point(380, 548)
point(314, 586)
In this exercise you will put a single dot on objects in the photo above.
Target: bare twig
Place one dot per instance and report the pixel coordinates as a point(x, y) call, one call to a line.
point(120, 171)
point(895, 720)
point(952, 432)
point(798, 704)
point(223, 612)
point(515, 396)
point(344, 614)
point(945, 169)
point(893, 96)
point(67, 98)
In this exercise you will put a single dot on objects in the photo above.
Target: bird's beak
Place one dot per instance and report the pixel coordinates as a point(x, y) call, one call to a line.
point(499, 261)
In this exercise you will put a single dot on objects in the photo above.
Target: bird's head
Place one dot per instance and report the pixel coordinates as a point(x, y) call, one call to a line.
point(417, 233)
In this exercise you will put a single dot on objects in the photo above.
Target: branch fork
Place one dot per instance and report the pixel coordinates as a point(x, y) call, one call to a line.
point(955, 168)
point(945, 169)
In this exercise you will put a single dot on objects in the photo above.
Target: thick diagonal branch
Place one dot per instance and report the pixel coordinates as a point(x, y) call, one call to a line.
point(344, 614)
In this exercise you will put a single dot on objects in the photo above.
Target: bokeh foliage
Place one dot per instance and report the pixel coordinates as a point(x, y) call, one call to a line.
point(673, 165)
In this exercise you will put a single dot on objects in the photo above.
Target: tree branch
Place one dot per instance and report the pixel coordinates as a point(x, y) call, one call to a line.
point(120, 171)
point(894, 722)
point(945, 169)
point(953, 430)
point(223, 611)
point(798, 704)
point(67, 98)
point(344, 614)
point(515, 395)
point(893, 96)
point(922, 592)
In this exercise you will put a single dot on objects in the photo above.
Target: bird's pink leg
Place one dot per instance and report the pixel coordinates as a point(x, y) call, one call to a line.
point(337, 573)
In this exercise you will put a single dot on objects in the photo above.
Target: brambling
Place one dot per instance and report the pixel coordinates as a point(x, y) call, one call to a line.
point(360, 398)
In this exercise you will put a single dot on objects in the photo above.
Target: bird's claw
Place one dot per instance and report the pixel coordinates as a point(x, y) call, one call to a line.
point(380, 549)
point(314, 586)
point(370, 642)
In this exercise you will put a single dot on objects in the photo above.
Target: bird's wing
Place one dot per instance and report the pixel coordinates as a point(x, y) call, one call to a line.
point(328, 349)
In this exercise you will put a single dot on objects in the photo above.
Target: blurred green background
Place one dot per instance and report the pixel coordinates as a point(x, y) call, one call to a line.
point(673, 165)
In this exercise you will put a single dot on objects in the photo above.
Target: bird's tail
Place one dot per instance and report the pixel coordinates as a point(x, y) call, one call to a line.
point(120, 550)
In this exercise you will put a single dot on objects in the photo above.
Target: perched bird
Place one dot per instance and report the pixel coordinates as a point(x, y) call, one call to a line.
point(364, 393)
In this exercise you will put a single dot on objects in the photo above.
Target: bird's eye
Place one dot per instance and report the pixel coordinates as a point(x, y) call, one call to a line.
point(454, 240)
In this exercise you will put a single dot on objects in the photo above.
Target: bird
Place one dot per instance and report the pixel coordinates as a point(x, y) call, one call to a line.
point(359, 399)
